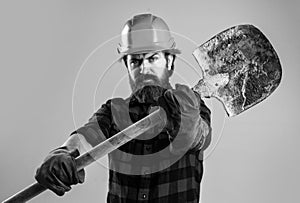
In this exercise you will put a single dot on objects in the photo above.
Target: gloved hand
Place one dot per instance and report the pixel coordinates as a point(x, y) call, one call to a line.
point(58, 171)
point(182, 107)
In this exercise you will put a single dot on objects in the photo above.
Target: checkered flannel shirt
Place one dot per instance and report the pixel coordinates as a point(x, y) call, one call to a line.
point(130, 181)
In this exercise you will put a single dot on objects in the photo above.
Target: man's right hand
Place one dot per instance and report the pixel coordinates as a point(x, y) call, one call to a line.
point(58, 171)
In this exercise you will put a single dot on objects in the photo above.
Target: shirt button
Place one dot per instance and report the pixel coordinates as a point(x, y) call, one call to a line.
point(148, 148)
point(144, 196)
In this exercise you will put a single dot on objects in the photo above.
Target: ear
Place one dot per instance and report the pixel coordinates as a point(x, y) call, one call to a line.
point(170, 59)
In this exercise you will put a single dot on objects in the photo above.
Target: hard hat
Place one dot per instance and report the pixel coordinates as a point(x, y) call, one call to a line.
point(145, 33)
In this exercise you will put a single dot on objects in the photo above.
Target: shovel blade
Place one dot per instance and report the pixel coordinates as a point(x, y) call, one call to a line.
point(240, 68)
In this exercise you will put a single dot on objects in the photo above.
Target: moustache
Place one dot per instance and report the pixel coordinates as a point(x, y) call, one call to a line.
point(142, 78)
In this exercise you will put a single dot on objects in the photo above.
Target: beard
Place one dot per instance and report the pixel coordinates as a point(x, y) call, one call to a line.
point(148, 88)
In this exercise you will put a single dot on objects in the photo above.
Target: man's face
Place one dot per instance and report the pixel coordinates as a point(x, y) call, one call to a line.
point(148, 69)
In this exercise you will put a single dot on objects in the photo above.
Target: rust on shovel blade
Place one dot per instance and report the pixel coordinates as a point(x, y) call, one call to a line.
point(240, 68)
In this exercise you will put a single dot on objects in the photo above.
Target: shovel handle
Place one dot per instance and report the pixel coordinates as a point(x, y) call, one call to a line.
point(105, 147)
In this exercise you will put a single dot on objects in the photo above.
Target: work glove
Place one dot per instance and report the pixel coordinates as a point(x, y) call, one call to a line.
point(58, 171)
point(182, 106)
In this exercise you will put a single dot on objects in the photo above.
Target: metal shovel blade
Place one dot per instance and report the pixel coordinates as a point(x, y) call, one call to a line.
point(240, 68)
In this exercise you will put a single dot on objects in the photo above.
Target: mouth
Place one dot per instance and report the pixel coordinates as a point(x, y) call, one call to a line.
point(149, 80)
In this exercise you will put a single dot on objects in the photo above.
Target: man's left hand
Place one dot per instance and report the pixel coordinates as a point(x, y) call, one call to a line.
point(182, 106)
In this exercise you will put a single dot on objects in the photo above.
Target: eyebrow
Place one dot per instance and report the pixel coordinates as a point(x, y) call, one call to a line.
point(152, 55)
point(138, 56)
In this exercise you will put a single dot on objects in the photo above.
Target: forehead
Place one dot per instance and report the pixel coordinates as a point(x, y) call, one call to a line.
point(145, 55)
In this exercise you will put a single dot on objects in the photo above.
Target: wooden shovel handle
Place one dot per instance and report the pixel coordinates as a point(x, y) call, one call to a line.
point(131, 132)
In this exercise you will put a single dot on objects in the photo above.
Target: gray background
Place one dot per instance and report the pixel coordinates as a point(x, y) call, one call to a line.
point(43, 47)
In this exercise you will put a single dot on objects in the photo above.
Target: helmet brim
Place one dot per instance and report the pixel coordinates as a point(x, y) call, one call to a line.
point(142, 50)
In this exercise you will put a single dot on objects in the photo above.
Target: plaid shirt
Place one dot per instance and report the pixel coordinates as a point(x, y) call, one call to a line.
point(133, 181)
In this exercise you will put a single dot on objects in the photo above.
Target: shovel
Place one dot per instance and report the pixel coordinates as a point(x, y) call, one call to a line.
point(240, 68)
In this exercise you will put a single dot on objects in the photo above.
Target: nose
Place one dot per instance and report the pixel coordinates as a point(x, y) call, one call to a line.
point(145, 67)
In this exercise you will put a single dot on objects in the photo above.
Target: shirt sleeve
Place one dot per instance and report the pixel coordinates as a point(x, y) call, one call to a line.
point(97, 128)
point(206, 116)
point(203, 139)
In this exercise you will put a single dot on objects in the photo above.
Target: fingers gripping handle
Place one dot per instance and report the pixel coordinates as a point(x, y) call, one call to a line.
point(131, 132)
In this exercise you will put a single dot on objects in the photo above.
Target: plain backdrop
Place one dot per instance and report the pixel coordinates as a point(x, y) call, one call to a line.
point(58, 64)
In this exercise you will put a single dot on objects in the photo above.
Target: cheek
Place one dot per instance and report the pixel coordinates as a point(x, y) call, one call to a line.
point(166, 73)
point(133, 74)
point(161, 73)
point(160, 68)
point(161, 62)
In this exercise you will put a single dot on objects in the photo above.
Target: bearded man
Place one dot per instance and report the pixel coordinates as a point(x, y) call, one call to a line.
point(164, 164)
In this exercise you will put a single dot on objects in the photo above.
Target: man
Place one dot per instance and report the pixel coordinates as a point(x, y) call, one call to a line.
point(162, 165)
